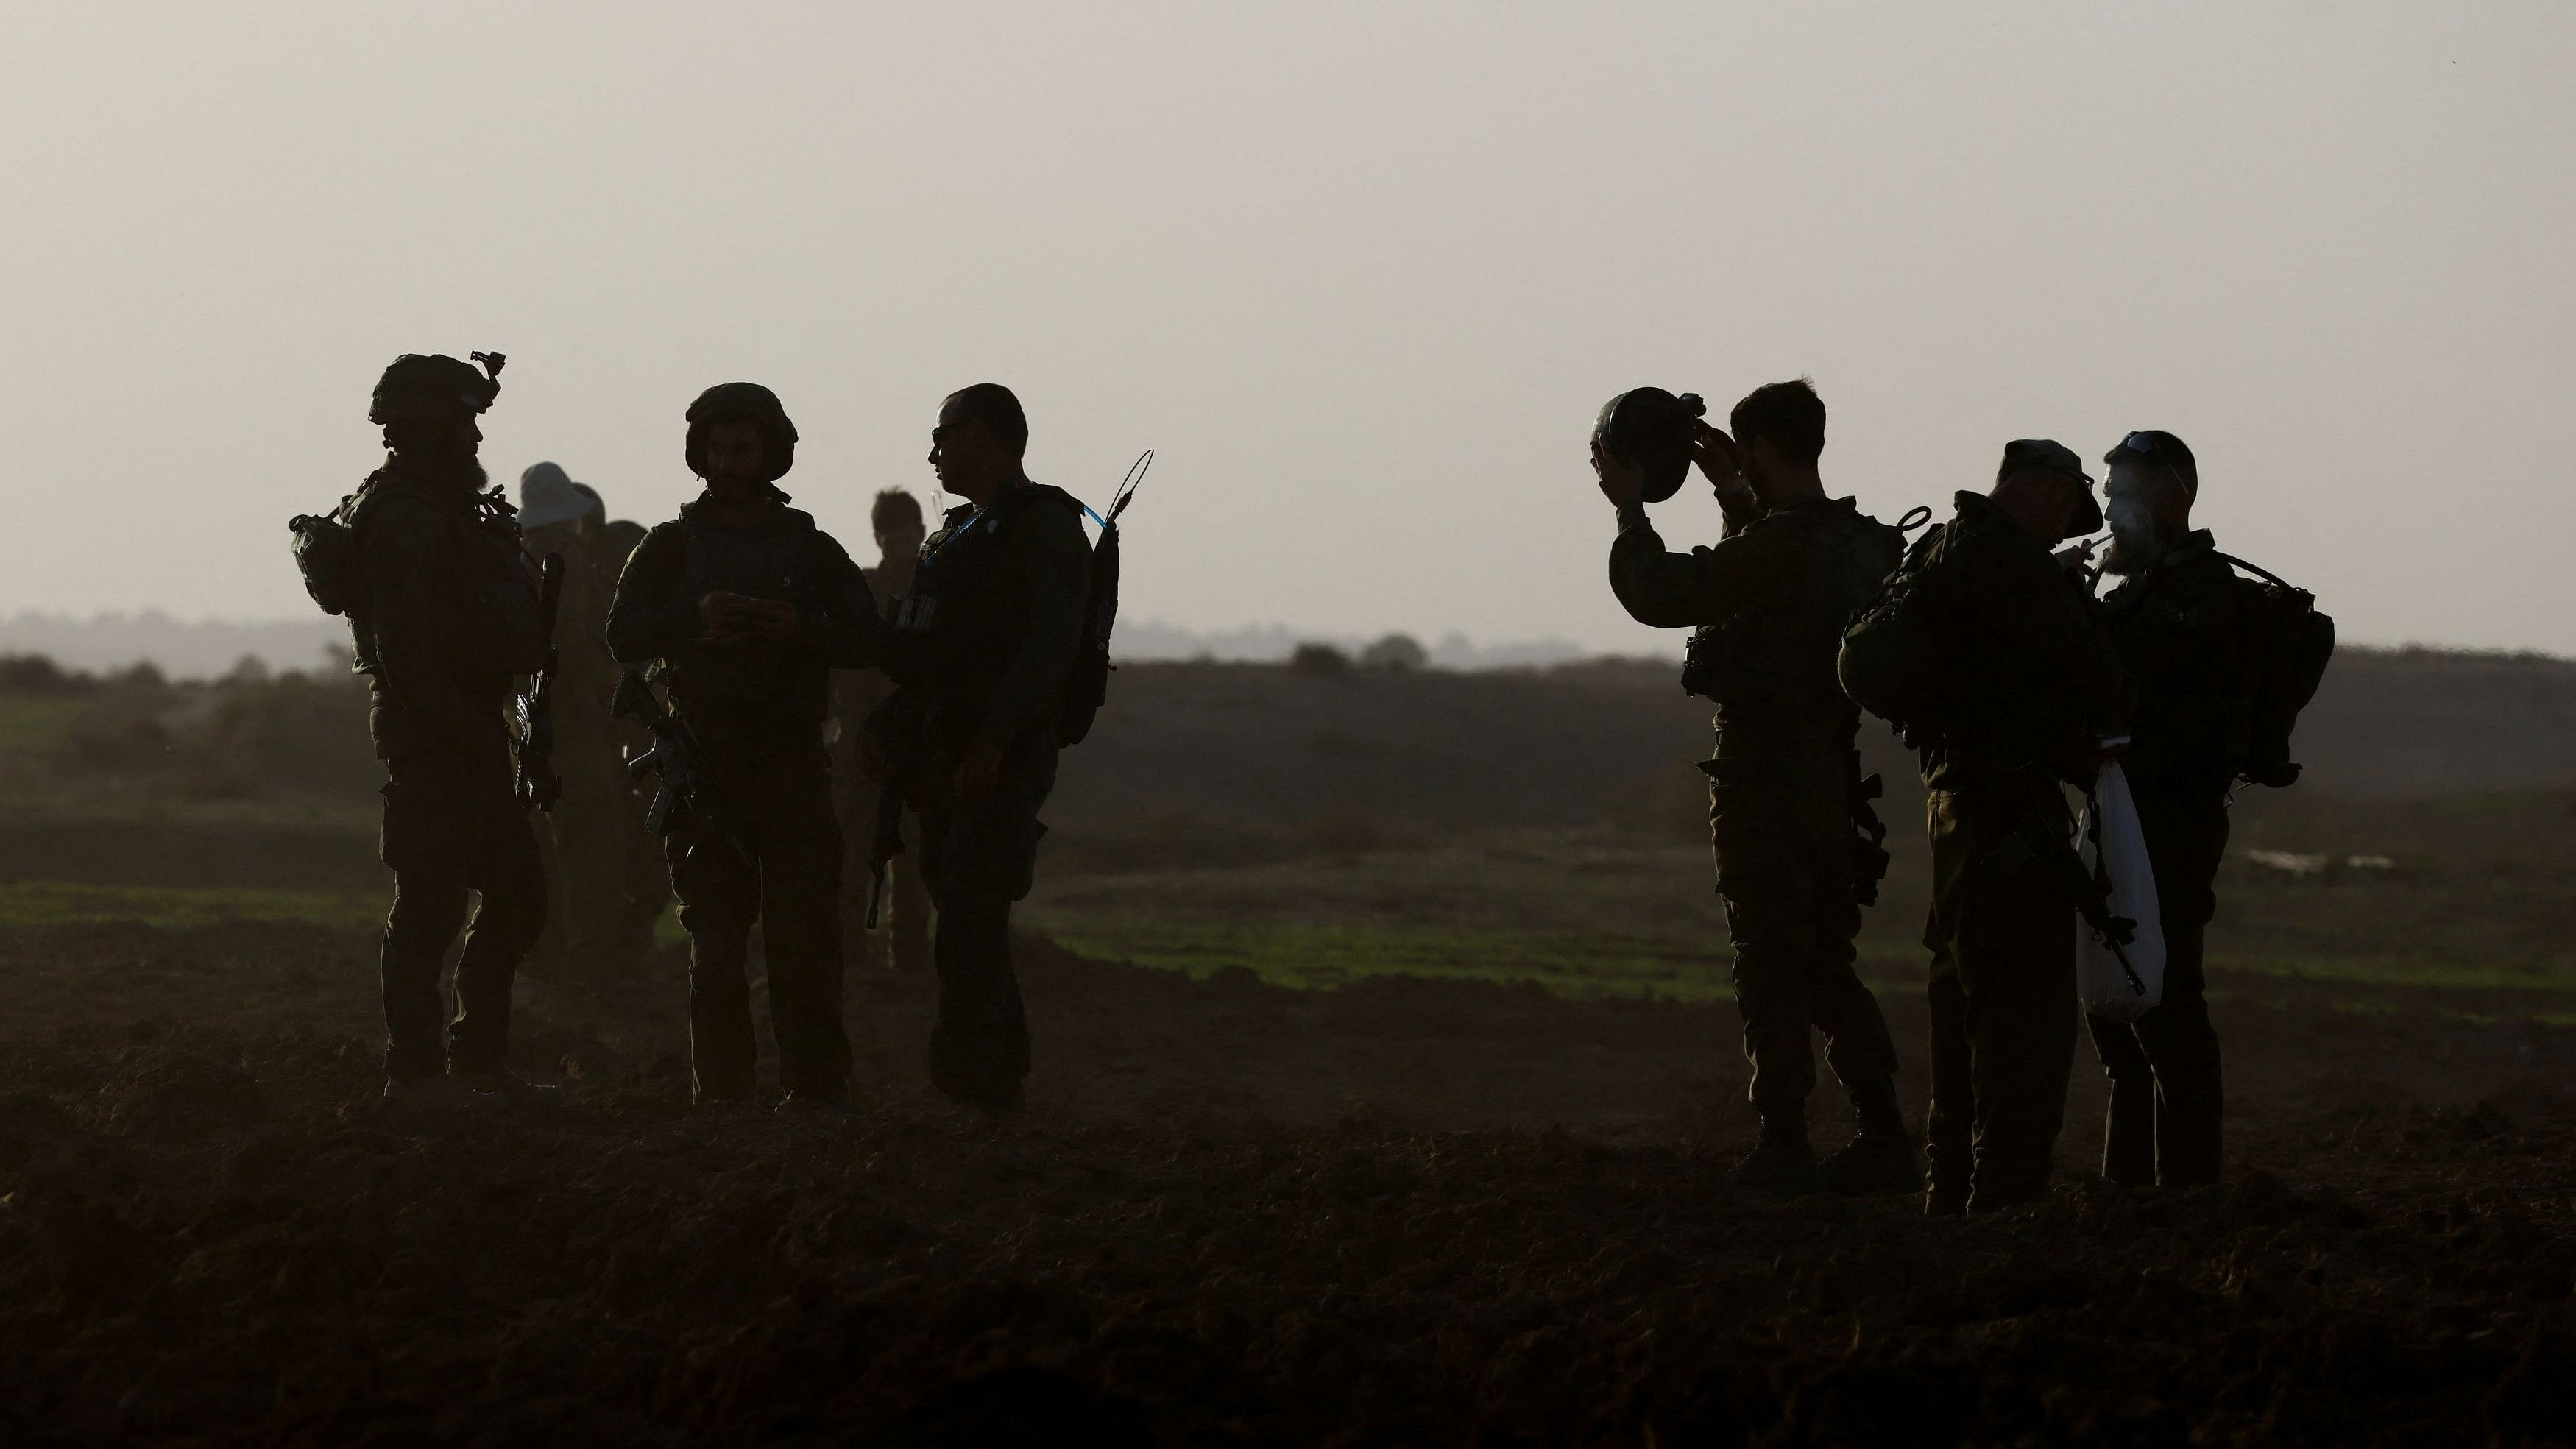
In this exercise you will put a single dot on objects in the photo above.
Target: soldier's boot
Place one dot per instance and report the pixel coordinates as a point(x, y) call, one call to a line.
point(1782, 1160)
point(2129, 1132)
point(1880, 1157)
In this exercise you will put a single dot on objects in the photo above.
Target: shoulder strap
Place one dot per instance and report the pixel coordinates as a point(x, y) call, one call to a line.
point(687, 529)
point(1029, 495)
point(2262, 573)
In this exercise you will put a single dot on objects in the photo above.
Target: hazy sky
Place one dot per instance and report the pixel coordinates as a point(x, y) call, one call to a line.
point(1363, 273)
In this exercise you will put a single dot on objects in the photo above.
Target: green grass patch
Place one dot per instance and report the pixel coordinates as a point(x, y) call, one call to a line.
point(1320, 957)
point(2556, 977)
point(38, 725)
point(54, 903)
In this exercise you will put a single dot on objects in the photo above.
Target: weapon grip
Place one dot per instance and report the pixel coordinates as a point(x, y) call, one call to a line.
point(876, 895)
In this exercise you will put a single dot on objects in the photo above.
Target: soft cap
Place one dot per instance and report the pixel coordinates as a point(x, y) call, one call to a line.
point(547, 495)
point(2055, 457)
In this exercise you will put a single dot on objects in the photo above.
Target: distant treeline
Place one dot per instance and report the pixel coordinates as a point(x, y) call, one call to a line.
point(1327, 740)
point(107, 643)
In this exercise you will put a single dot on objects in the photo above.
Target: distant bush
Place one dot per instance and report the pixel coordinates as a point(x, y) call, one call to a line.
point(1319, 659)
point(252, 733)
point(36, 674)
point(299, 731)
point(1395, 651)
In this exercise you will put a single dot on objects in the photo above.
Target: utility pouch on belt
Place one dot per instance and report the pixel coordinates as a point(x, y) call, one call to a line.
point(911, 636)
point(1699, 662)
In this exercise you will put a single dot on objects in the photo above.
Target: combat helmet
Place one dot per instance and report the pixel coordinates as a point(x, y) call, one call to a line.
point(742, 402)
point(415, 386)
point(1651, 428)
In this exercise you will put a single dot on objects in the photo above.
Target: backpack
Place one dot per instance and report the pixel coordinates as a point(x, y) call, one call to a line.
point(326, 554)
point(2288, 646)
point(1895, 653)
point(1086, 685)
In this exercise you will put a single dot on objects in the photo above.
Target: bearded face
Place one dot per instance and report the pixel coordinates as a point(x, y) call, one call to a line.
point(445, 446)
point(2140, 535)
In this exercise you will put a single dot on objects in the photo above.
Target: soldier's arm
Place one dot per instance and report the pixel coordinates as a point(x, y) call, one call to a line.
point(1680, 590)
point(2034, 606)
point(651, 616)
point(844, 626)
point(412, 573)
point(1057, 559)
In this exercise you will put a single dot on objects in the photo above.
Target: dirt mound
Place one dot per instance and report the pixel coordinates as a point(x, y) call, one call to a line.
point(1403, 1213)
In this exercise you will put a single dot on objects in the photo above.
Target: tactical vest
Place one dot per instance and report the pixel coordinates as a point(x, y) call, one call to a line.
point(781, 561)
point(1770, 667)
point(500, 628)
point(2194, 712)
point(968, 609)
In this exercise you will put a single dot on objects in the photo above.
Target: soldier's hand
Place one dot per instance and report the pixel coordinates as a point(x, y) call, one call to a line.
point(726, 617)
point(1622, 482)
point(980, 771)
point(1714, 454)
point(772, 619)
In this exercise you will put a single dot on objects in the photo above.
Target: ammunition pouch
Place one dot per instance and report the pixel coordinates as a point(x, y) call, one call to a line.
point(326, 554)
point(1699, 662)
point(912, 638)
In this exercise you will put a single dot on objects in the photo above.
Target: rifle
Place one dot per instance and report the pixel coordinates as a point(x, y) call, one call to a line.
point(687, 787)
point(2089, 891)
point(533, 712)
point(884, 847)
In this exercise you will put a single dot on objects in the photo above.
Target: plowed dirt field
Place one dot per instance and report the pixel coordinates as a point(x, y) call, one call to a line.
point(1402, 1212)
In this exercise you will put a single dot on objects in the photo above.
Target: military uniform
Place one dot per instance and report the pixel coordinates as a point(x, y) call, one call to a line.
point(449, 616)
point(2036, 681)
point(855, 696)
point(1786, 807)
point(2180, 634)
point(758, 709)
point(1006, 584)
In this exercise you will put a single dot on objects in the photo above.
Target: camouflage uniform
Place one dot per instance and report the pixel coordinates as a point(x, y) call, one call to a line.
point(758, 708)
point(1009, 581)
point(448, 617)
point(2179, 631)
point(2036, 681)
point(1786, 806)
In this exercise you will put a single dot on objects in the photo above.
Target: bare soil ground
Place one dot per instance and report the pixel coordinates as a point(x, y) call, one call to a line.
point(1401, 1212)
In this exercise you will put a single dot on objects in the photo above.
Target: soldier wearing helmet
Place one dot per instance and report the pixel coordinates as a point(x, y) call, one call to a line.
point(747, 606)
point(446, 615)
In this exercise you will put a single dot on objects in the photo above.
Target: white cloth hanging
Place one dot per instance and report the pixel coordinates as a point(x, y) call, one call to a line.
point(2109, 829)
